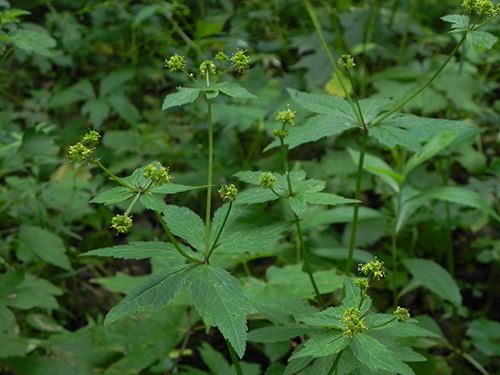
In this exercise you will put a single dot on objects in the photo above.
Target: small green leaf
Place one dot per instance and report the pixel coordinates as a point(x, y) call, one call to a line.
point(114, 195)
point(279, 333)
point(186, 224)
point(376, 356)
point(485, 335)
point(458, 21)
point(481, 39)
point(172, 189)
point(46, 245)
point(125, 109)
point(327, 198)
point(97, 109)
point(153, 202)
point(152, 295)
point(139, 250)
point(234, 90)
point(114, 81)
point(434, 277)
point(298, 205)
point(184, 96)
point(218, 298)
point(319, 103)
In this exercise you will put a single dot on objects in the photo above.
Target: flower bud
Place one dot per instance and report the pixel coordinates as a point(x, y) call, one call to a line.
point(346, 62)
point(175, 63)
point(267, 180)
point(122, 223)
point(228, 193)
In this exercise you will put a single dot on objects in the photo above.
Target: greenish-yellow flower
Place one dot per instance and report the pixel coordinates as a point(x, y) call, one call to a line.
point(240, 60)
point(267, 180)
point(122, 223)
point(228, 193)
point(175, 63)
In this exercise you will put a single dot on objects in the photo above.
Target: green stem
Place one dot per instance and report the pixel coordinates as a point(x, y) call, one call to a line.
point(401, 105)
point(314, 18)
point(132, 204)
point(209, 179)
point(214, 245)
point(174, 241)
point(307, 263)
point(112, 176)
point(357, 195)
point(235, 359)
point(335, 363)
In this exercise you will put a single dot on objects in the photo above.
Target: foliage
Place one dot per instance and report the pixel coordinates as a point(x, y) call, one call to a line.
point(144, 231)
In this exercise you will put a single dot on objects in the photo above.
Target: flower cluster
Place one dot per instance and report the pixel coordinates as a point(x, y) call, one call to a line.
point(175, 63)
point(374, 268)
point(80, 151)
point(122, 223)
point(207, 67)
point(267, 180)
point(362, 284)
point(157, 173)
point(240, 60)
point(402, 314)
point(228, 193)
point(346, 62)
point(286, 117)
point(352, 323)
point(485, 7)
point(221, 56)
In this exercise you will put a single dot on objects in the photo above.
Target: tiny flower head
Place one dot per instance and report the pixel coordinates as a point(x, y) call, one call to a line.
point(346, 62)
point(281, 133)
point(221, 56)
point(352, 323)
point(402, 314)
point(91, 138)
point(122, 223)
point(175, 63)
point(79, 152)
point(228, 193)
point(157, 173)
point(375, 269)
point(240, 60)
point(286, 117)
point(362, 284)
point(267, 180)
point(207, 67)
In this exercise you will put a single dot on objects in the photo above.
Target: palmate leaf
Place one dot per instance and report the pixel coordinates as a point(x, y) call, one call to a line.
point(374, 355)
point(392, 136)
point(154, 294)
point(218, 298)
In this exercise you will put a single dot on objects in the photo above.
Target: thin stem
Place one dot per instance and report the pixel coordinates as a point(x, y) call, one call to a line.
point(112, 176)
point(214, 245)
point(357, 195)
point(307, 263)
point(174, 241)
point(401, 105)
point(234, 358)
point(314, 18)
point(132, 204)
point(209, 179)
point(335, 363)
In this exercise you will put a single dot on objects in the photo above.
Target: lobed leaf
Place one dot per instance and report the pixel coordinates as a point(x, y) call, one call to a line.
point(114, 195)
point(154, 294)
point(184, 96)
point(325, 344)
point(186, 224)
point(481, 39)
point(234, 90)
point(139, 250)
point(218, 298)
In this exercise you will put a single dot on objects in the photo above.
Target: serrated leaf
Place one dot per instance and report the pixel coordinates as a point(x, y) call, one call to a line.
point(113, 81)
point(255, 195)
point(234, 90)
point(392, 136)
point(152, 295)
point(398, 329)
point(125, 109)
point(434, 277)
point(319, 103)
point(153, 202)
point(218, 298)
point(332, 317)
point(172, 188)
point(82, 90)
point(97, 109)
point(324, 344)
point(186, 224)
point(139, 250)
point(481, 39)
point(376, 356)
point(282, 310)
point(184, 96)
point(458, 21)
point(114, 195)
point(46, 245)
point(211, 93)
point(243, 231)
point(298, 205)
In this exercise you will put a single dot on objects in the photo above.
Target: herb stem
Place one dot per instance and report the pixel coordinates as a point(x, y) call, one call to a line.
point(234, 358)
point(209, 179)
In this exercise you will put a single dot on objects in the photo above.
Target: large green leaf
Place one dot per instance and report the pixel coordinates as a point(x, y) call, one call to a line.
point(234, 90)
point(25, 291)
point(327, 199)
point(44, 244)
point(319, 103)
point(186, 224)
point(152, 295)
point(324, 344)
point(376, 356)
point(431, 275)
point(183, 96)
point(481, 39)
point(140, 250)
point(219, 299)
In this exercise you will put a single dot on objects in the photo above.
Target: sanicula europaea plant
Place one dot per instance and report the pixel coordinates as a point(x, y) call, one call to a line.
point(345, 331)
